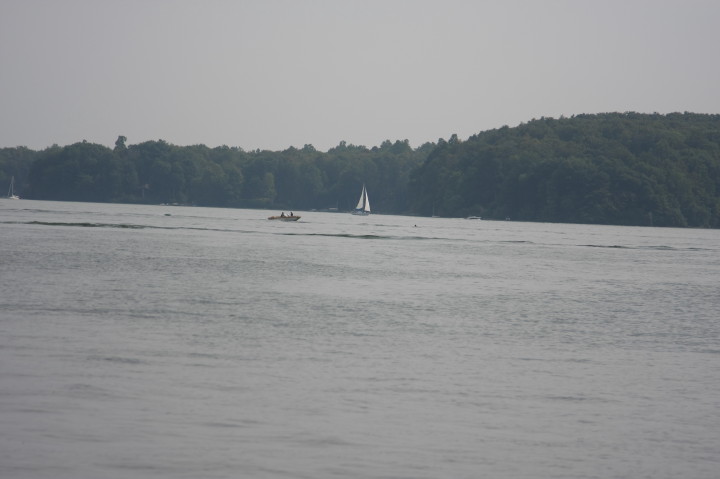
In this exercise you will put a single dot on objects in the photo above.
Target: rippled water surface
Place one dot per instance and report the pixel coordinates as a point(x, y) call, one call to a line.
point(167, 342)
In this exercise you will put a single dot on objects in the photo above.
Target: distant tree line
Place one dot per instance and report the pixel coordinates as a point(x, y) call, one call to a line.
point(159, 172)
point(613, 168)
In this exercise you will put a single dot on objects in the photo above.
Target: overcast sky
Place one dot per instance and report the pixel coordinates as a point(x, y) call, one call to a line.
point(271, 74)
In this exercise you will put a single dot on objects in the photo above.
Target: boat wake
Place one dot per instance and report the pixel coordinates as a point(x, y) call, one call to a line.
point(120, 225)
point(364, 236)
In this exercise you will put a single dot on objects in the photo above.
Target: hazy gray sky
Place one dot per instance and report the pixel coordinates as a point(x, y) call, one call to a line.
point(271, 74)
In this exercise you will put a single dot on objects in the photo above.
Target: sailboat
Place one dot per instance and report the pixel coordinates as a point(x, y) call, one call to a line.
point(11, 191)
point(363, 206)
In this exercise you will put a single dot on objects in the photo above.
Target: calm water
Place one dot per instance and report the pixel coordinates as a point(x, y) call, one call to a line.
point(212, 343)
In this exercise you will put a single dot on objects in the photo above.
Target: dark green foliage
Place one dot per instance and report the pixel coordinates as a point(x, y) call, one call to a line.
point(15, 162)
point(79, 172)
point(615, 168)
point(159, 172)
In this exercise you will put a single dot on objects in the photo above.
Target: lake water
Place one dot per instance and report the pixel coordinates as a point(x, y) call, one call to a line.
point(181, 342)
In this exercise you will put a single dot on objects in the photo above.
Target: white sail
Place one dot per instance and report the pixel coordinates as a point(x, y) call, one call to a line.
point(361, 201)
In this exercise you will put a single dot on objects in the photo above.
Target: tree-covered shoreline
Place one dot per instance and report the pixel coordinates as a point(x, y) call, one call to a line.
point(615, 168)
point(157, 172)
point(611, 168)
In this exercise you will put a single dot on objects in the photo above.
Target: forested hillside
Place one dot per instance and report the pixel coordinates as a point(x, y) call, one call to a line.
point(614, 168)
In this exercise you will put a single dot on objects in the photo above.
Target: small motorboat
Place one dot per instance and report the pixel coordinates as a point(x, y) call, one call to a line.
point(284, 217)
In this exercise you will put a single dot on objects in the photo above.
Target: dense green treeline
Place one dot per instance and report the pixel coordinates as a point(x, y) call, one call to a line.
point(15, 162)
point(613, 168)
point(159, 172)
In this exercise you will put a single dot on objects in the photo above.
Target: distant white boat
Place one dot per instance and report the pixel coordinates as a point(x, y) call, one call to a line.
point(363, 206)
point(474, 218)
point(11, 190)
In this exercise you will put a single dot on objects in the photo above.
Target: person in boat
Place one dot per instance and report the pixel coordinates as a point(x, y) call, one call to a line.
point(291, 214)
point(282, 215)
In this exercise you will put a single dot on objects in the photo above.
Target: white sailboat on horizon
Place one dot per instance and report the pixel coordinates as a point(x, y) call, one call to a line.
point(11, 191)
point(363, 206)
